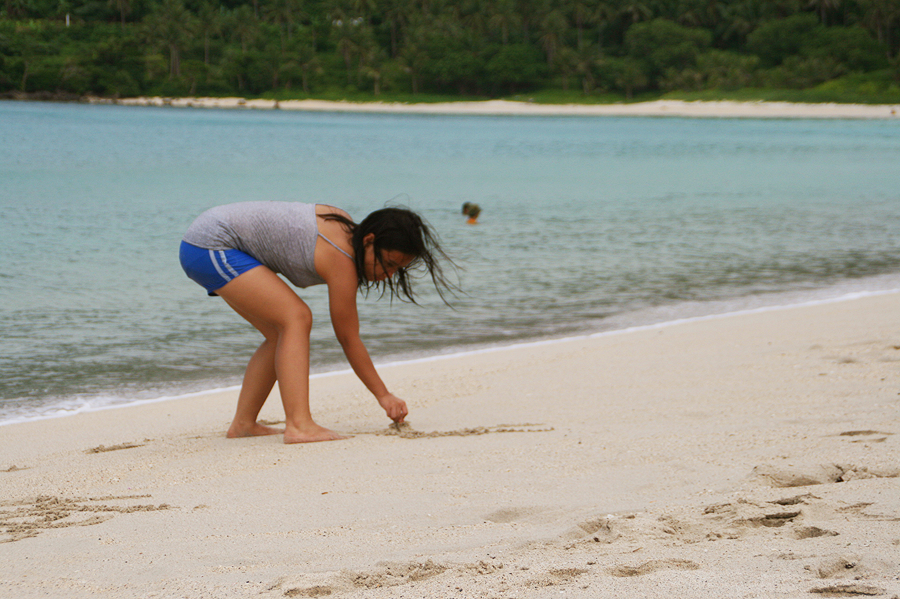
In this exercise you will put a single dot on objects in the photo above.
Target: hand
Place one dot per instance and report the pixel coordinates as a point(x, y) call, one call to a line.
point(394, 406)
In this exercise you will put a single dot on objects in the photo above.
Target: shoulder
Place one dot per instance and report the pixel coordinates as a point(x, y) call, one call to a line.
point(325, 209)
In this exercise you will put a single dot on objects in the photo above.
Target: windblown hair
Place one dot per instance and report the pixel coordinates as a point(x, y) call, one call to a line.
point(398, 229)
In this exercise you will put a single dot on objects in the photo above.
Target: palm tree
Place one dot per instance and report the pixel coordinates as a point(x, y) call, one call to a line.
point(396, 13)
point(565, 65)
point(503, 16)
point(371, 63)
point(634, 10)
point(413, 56)
point(587, 60)
point(365, 9)
point(605, 13)
point(582, 12)
point(284, 14)
point(306, 57)
point(170, 25)
point(823, 7)
point(244, 25)
point(16, 8)
point(553, 30)
point(708, 14)
point(122, 6)
point(882, 16)
point(631, 76)
point(209, 24)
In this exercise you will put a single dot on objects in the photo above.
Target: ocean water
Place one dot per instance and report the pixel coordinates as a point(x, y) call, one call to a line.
point(589, 224)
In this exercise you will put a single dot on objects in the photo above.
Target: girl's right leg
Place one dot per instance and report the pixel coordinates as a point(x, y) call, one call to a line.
point(285, 320)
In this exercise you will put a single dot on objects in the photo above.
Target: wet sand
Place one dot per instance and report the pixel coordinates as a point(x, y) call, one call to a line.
point(751, 455)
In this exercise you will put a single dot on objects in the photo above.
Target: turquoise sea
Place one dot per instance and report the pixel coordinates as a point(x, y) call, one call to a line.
point(589, 224)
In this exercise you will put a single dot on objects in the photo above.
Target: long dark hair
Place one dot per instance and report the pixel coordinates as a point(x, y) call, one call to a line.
point(402, 230)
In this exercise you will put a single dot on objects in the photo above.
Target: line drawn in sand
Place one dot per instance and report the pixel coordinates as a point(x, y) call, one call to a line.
point(28, 518)
point(405, 431)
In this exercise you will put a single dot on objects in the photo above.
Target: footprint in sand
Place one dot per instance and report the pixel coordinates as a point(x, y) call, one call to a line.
point(733, 520)
point(555, 576)
point(816, 474)
point(653, 566)
point(866, 436)
point(387, 575)
point(848, 590)
point(316, 591)
point(507, 515)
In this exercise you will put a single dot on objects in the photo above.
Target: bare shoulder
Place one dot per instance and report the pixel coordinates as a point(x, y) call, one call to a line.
point(325, 209)
point(335, 230)
point(331, 254)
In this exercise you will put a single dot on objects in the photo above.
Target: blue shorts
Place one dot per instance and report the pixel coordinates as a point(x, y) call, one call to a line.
point(212, 269)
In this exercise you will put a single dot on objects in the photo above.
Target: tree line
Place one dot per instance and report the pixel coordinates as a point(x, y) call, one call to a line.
point(298, 48)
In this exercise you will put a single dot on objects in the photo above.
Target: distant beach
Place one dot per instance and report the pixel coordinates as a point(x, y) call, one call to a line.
point(721, 109)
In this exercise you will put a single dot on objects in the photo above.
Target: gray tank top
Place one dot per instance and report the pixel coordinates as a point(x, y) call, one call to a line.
point(281, 235)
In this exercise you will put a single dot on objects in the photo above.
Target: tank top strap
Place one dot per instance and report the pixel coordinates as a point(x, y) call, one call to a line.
point(335, 246)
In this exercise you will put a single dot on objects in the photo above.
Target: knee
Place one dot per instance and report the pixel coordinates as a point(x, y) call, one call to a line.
point(298, 318)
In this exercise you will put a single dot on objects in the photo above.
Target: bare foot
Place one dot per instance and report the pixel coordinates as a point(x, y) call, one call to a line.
point(311, 434)
point(254, 430)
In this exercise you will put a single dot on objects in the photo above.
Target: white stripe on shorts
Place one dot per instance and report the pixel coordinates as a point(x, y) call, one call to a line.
point(233, 272)
point(212, 256)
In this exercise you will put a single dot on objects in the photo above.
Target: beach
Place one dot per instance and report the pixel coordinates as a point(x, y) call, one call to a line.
point(746, 455)
point(677, 108)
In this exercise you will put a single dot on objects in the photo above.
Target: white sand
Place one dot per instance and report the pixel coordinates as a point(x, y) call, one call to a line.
point(644, 464)
point(505, 107)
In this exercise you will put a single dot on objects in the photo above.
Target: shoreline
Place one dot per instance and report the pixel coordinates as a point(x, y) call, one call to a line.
point(536, 343)
point(747, 455)
point(657, 108)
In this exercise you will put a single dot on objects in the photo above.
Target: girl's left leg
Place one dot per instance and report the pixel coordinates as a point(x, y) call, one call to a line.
point(259, 379)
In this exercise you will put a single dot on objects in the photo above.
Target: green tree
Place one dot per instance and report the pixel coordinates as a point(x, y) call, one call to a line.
point(634, 11)
point(396, 15)
point(502, 17)
point(851, 47)
point(170, 25)
point(374, 65)
point(284, 14)
point(514, 66)
point(587, 63)
point(581, 12)
point(882, 17)
point(626, 74)
point(123, 7)
point(715, 69)
point(414, 58)
point(664, 45)
point(824, 8)
point(209, 24)
point(774, 41)
point(25, 52)
point(604, 18)
point(553, 27)
point(243, 25)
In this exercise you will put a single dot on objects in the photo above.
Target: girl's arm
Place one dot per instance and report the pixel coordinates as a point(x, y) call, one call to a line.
point(342, 290)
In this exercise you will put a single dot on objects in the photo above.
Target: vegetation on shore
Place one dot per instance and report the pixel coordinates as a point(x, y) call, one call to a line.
point(548, 51)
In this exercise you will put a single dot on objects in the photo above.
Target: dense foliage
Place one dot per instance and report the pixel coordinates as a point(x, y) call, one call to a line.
point(296, 48)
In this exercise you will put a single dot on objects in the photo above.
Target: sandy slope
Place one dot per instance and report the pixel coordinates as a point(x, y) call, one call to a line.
point(752, 455)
